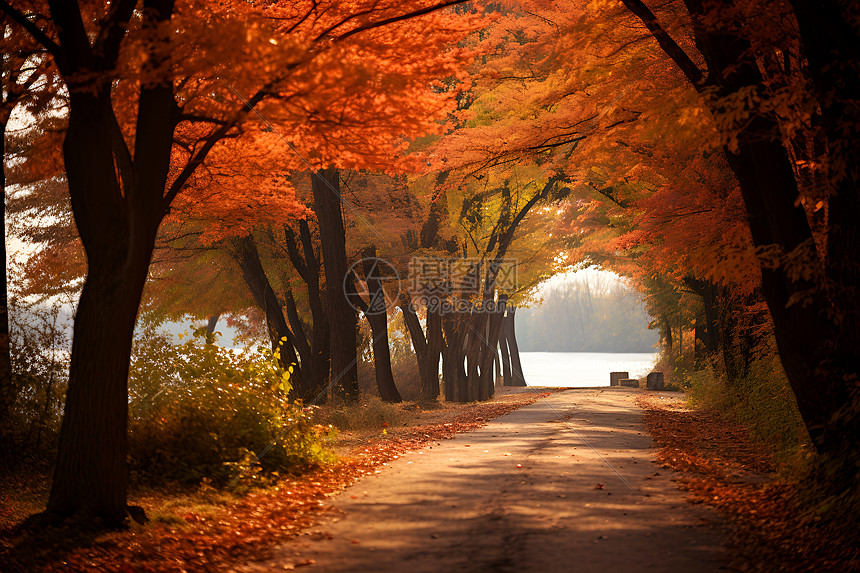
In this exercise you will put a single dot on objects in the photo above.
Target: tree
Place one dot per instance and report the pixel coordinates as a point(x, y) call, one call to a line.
point(375, 309)
point(25, 80)
point(341, 314)
point(809, 286)
point(153, 88)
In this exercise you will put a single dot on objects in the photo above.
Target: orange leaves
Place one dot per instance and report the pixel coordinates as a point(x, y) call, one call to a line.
point(210, 531)
point(335, 88)
point(720, 466)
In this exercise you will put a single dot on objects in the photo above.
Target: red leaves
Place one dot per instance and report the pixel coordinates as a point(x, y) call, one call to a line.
point(720, 466)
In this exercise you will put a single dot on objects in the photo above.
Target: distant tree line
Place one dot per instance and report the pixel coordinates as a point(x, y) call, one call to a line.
point(593, 313)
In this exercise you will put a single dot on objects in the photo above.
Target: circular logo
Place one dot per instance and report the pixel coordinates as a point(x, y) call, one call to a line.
point(372, 285)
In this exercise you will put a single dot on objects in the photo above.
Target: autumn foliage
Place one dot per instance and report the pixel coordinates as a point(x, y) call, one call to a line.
point(242, 162)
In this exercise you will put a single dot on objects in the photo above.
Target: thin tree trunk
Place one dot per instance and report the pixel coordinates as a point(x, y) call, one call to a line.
point(343, 318)
point(303, 256)
point(507, 380)
point(519, 378)
point(376, 312)
point(666, 337)
point(211, 323)
point(416, 336)
point(699, 341)
point(244, 252)
point(7, 388)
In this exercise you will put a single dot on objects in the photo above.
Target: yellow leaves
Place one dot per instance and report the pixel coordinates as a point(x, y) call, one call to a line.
point(285, 386)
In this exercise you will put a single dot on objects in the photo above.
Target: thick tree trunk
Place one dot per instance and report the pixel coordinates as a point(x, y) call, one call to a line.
point(376, 312)
point(473, 357)
point(829, 371)
point(453, 360)
point(434, 353)
point(490, 349)
point(90, 476)
point(342, 316)
point(817, 339)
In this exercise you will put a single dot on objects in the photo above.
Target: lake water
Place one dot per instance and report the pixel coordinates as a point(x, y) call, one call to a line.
point(582, 369)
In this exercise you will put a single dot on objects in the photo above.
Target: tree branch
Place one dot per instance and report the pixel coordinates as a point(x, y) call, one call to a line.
point(201, 154)
point(34, 31)
point(672, 49)
point(408, 16)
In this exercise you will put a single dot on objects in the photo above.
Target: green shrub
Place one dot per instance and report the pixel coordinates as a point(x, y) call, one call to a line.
point(198, 410)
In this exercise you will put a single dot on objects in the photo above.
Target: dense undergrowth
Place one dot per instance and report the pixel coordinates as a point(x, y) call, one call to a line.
point(751, 458)
point(199, 410)
point(208, 529)
point(198, 413)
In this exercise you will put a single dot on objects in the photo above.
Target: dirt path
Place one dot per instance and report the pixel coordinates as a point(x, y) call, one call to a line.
point(464, 505)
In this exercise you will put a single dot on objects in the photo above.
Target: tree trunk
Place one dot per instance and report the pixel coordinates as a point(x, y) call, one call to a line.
point(518, 378)
point(818, 339)
point(507, 379)
point(90, 476)
point(666, 337)
point(315, 371)
point(700, 349)
point(210, 324)
point(427, 349)
point(495, 320)
point(453, 360)
point(245, 253)
point(342, 316)
point(708, 331)
point(7, 388)
point(376, 312)
point(416, 336)
point(826, 375)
